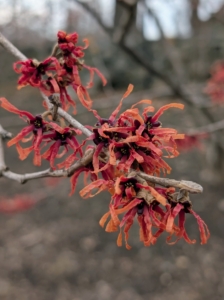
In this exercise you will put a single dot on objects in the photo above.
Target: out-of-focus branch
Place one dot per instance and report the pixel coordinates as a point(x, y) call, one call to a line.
point(207, 128)
point(125, 23)
point(176, 88)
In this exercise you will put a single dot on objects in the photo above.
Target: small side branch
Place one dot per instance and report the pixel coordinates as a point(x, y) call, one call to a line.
point(207, 128)
point(190, 186)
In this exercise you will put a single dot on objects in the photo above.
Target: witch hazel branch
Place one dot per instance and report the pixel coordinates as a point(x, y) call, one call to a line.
point(122, 154)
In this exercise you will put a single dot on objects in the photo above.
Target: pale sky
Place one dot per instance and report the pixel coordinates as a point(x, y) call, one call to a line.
point(173, 14)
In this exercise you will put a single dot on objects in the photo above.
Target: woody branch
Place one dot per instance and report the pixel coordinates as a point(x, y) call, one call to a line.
point(190, 186)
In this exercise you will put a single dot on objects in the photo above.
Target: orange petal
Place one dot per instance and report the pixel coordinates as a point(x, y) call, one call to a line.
point(111, 227)
point(165, 107)
point(157, 196)
point(23, 152)
point(114, 215)
point(119, 239)
point(147, 101)
point(104, 219)
point(129, 90)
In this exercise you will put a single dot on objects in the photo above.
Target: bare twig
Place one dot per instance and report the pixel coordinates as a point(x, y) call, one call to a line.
point(190, 186)
point(2, 158)
point(210, 128)
point(5, 134)
point(23, 178)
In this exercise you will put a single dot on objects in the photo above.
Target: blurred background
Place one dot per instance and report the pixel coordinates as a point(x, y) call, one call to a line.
point(166, 49)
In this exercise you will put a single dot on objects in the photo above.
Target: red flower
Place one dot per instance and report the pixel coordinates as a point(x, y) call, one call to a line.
point(61, 137)
point(138, 153)
point(58, 85)
point(128, 195)
point(37, 126)
point(33, 71)
point(67, 43)
point(215, 87)
point(55, 74)
point(71, 54)
point(191, 141)
point(101, 139)
point(107, 175)
point(133, 141)
point(101, 184)
point(179, 209)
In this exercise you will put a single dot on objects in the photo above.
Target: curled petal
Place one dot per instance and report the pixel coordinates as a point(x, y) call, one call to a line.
point(132, 113)
point(96, 157)
point(74, 179)
point(92, 71)
point(20, 135)
point(146, 101)
point(84, 97)
point(165, 107)
point(172, 216)
point(57, 128)
point(8, 106)
point(128, 92)
point(129, 206)
point(23, 152)
point(203, 228)
point(100, 183)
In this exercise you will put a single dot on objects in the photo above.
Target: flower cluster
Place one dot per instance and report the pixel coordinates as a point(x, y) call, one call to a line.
point(135, 141)
point(155, 208)
point(40, 132)
point(132, 143)
point(127, 149)
point(59, 71)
